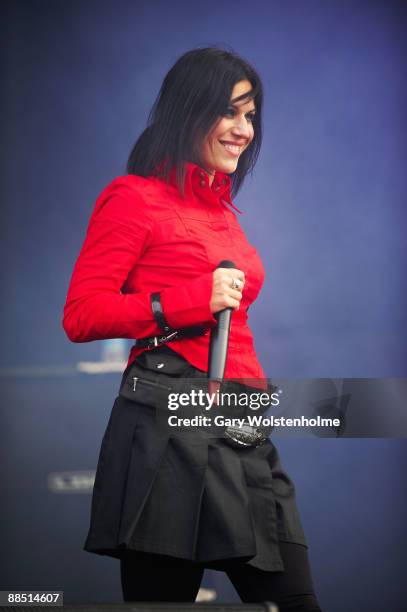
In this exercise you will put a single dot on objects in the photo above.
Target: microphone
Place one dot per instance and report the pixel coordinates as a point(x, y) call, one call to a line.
point(218, 344)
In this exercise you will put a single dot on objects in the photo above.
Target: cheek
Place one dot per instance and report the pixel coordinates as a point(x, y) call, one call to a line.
point(206, 149)
point(220, 130)
point(212, 147)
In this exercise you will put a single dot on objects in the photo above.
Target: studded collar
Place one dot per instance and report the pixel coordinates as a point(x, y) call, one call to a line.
point(197, 184)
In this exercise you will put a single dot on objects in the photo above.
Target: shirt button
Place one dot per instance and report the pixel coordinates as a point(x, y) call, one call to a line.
point(224, 181)
point(202, 174)
point(202, 183)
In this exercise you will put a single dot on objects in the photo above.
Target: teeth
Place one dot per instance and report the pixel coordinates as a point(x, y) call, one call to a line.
point(231, 148)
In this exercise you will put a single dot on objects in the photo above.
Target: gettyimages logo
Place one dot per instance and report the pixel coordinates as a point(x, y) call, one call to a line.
point(321, 407)
point(218, 399)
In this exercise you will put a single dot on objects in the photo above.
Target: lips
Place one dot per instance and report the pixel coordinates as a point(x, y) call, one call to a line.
point(231, 148)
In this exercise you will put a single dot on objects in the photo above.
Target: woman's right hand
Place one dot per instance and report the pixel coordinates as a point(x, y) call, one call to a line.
point(223, 294)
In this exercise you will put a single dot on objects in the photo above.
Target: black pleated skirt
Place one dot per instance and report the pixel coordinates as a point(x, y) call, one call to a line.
point(192, 496)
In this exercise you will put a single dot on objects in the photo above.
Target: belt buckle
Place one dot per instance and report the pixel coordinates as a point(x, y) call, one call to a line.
point(155, 341)
point(246, 436)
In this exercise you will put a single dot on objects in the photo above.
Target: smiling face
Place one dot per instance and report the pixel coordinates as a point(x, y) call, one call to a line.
point(231, 135)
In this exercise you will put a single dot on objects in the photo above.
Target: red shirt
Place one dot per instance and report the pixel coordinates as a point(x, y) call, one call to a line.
point(143, 237)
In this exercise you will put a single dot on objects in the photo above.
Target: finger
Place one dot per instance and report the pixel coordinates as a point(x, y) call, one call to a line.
point(236, 294)
point(232, 272)
point(228, 289)
point(238, 281)
point(230, 302)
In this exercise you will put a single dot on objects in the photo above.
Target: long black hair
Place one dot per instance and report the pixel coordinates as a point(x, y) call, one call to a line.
point(194, 95)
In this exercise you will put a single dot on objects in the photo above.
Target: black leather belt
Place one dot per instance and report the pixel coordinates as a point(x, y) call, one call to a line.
point(169, 334)
point(180, 334)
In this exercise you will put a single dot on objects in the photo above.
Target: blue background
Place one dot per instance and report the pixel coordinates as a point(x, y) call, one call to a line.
point(325, 209)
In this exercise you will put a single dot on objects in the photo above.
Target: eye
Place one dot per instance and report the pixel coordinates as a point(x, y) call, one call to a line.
point(229, 112)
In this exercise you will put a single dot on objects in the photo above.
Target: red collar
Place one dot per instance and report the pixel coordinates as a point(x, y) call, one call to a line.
point(197, 182)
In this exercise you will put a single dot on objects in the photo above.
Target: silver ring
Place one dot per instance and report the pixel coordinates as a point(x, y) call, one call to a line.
point(236, 283)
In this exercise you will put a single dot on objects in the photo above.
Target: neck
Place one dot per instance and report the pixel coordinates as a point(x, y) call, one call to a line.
point(211, 176)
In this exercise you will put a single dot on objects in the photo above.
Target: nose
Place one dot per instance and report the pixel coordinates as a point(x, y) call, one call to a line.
point(242, 127)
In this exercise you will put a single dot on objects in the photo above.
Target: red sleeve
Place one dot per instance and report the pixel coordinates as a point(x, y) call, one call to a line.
point(119, 231)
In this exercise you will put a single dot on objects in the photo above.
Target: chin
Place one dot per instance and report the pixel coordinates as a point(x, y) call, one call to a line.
point(227, 167)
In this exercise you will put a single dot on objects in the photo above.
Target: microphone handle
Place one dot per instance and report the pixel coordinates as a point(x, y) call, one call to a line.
point(218, 346)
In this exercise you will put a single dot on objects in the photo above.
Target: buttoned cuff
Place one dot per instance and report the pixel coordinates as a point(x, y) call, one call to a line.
point(189, 304)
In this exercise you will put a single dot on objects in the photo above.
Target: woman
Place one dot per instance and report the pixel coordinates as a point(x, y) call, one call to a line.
point(170, 506)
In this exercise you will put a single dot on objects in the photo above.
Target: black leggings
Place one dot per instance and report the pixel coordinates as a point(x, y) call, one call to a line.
point(151, 577)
